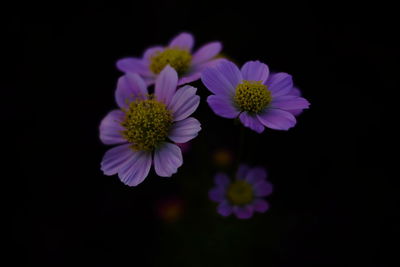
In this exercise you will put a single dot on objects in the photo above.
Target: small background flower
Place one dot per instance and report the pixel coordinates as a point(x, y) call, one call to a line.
point(259, 99)
point(241, 196)
point(178, 54)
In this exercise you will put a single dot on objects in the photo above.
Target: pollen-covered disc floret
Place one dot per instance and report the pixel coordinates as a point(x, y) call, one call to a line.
point(252, 96)
point(177, 58)
point(240, 192)
point(147, 124)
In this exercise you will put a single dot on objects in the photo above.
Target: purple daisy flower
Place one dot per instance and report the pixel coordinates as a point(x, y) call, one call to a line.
point(178, 54)
point(144, 123)
point(258, 98)
point(243, 195)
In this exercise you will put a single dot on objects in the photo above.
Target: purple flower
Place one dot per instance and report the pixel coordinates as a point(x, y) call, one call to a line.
point(258, 98)
point(242, 196)
point(143, 124)
point(178, 54)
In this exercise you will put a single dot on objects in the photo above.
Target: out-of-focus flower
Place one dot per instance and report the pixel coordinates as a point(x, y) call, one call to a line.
point(222, 157)
point(241, 196)
point(258, 98)
point(178, 54)
point(143, 125)
point(170, 209)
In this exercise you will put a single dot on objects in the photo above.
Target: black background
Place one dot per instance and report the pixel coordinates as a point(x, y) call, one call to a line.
point(333, 202)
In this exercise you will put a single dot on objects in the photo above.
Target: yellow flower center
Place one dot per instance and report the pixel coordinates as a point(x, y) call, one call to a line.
point(147, 124)
point(240, 192)
point(252, 96)
point(177, 58)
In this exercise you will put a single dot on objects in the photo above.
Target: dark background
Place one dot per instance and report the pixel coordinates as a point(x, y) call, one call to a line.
point(333, 203)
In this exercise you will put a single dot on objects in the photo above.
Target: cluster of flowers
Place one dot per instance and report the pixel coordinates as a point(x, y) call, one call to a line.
point(150, 123)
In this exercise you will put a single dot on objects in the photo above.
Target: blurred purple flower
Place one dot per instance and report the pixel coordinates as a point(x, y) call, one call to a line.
point(243, 195)
point(143, 124)
point(178, 54)
point(258, 98)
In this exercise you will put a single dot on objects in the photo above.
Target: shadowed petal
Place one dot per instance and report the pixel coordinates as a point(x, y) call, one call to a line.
point(110, 128)
point(115, 158)
point(279, 84)
point(295, 91)
point(184, 130)
point(166, 84)
point(206, 52)
point(136, 168)
point(222, 180)
point(277, 119)
point(242, 171)
point(256, 175)
point(255, 71)
point(243, 212)
point(167, 159)
point(195, 72)
point(224, 208)
point(133, 65)
point(260, 205)
point(129, 87)
point(184, 102)
point(184, 40)
point(251, 122)
point(262, 189)
point(222, 106)
point(289, 102)
point(217, 194)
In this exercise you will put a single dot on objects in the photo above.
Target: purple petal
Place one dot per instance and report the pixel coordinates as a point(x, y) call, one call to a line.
point(115, 158)
point(184, 102)
point(222, 180)
point(296, 112)
point(279, 84)
point(289, 102)
point(195, 72)
point(222, 79)
point(217, 194)
point(255, 71)
point(295, 91)
point(222, 106)
point(184, 130)
point(263, 189)
point(166, 84)
point(189, 78)
point(110, 128)
point(183, 40)
point(256, 175)
point(260, 205)
point(224, 208)
point(206, 52)
point(136, 168)
point(241, 172)
point(167, 159)
point(251, 122)
point(151, 51)
point(277, 119)
point(243, 212)
point(129, 87)
point(133, 65)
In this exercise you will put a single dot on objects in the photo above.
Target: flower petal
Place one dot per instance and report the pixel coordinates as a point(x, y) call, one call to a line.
point(279, 84)
point(260, 205)
point(184, 102)
point(115, 158)
point(150, 52)
point(255, 71)
point(222, 180)
point(184, 130)
point(225, 209)
point(217, 194)
point(166, 84)
point(129, 87)
point(277, 119)
point(262, 189)
point(184, 40)
point(256, 175)
point(242, 171)
point(206, 52)
point(243, 212)
point(222, 79)
point(195, 72)
point(167, 159)
point(136, 168)
point(289, 102)
point(110, 128)
point(251, 122)
point(133, 65)
point(222, 106)
point(295, 91)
